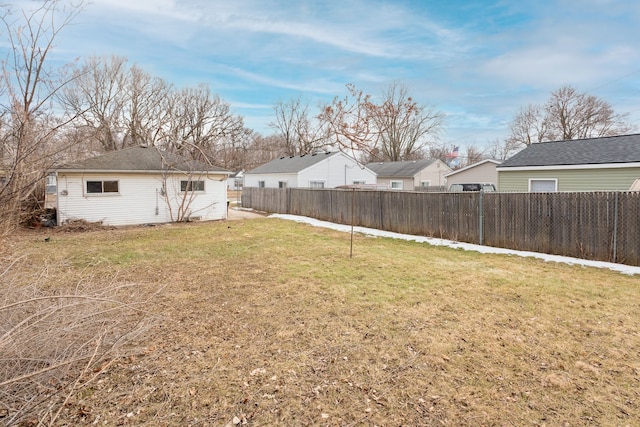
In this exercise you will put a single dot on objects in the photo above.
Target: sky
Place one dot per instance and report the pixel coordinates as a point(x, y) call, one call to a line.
point(372, 232)
point(477, 61)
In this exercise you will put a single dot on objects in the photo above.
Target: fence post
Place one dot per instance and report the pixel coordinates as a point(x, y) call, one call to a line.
point(481, 219)
point(615, 227)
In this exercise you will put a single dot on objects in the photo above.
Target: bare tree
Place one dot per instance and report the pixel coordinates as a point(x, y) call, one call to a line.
point(472, 155)
point(97, 95)
point(529, 126)
point(440, 152)
point(145, 110)
point(502, 150)
point(29, 147)
point(395, 129)
point(200, 122)
point(573, 115)
point(567, 114)
point(301, 133)
point(232, 152)
point(262, 149)
point(402, 124)
point(348, 122)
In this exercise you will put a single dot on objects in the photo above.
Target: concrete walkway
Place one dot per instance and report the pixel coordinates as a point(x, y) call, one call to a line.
point(239, 214)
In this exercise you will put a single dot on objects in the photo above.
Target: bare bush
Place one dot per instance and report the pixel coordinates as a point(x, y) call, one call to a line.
point(55, 340)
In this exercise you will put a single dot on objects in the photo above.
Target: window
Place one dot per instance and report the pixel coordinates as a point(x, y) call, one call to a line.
point(396, 185)
point(51, 187)
point(98, 187)
point(282, 184)
point(425, 183)
point(543, 185)
point(359, 181)
point(260, 184)
point(191, 186)
point(316, 184)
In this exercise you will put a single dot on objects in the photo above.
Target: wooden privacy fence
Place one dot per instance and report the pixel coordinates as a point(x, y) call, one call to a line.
point(603, 226)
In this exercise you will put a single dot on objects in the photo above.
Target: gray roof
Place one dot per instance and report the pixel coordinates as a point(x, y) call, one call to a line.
point(592, 151)
point(404, 169)
point(141, 159)
point(292, 164)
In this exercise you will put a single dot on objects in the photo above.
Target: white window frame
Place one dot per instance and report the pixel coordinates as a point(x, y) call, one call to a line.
point(396, 182)
point(554, 180)
point(101, 192)
point(359, 182)
point(261, 184)
point(283, 184)
point(425, 183)
point(317, 183)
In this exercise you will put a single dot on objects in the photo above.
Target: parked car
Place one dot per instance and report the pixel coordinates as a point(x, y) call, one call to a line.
point(474, 186)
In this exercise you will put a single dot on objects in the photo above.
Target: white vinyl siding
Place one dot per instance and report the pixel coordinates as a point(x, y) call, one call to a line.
point(333, 170)
point(141, 199)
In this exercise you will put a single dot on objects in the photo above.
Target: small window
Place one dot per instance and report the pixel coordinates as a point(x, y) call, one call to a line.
point(260, 184)
point(191, 186)
point(98, 187)
point(543, 185)
point(316, 184)
point(50, 187)
point(359, 181)
point(396, 185)
point(425, 183)
point(282, 184)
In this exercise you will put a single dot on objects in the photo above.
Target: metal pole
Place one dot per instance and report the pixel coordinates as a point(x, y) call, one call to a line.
point(481, 225)
point(615, 227)
point(353, 198)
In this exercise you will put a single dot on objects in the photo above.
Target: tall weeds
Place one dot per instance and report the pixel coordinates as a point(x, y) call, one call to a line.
point(56, 339)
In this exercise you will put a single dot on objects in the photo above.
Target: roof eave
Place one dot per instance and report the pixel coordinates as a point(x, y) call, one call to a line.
point(150, 172)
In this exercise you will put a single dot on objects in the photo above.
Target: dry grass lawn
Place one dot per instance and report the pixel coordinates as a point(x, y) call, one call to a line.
point(269, 322)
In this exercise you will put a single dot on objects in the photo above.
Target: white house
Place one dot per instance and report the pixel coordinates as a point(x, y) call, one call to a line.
point(140, 185)
point(411, 174)
point(317, 170)
point(483, 172)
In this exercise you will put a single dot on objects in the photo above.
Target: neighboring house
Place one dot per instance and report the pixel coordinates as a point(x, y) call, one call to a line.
point(594, 164)
point(140, 185)
point(483, 172)
point(317, 170)
point(411, 174)
point(235, 180)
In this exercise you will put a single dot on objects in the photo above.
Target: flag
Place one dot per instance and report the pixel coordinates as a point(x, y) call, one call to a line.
point(454, 153)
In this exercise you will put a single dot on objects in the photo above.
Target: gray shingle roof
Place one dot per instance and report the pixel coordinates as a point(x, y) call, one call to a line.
point(404, 169)
point(592, 151)
point(293, 164)
point(142, 159)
